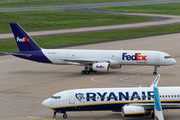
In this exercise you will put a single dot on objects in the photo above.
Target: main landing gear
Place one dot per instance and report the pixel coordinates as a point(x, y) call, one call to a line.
point(87, 70)
point(155, 69)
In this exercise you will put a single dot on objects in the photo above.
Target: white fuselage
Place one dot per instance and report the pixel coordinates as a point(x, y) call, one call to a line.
point(113, 57)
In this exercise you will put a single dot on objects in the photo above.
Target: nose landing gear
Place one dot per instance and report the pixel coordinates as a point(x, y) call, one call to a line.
point(64, 115)
point(155, 69)
point(54, 115)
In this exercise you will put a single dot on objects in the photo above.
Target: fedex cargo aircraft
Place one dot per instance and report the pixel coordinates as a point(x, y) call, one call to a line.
point(92, 60)
point(131, 102)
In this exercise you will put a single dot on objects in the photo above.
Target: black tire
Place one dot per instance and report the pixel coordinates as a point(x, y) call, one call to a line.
point(154, 73)
point(65, 116)
point(83, 72)
point(87, 72)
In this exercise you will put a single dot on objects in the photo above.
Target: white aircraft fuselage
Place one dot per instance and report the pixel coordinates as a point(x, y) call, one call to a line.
point(112, 98)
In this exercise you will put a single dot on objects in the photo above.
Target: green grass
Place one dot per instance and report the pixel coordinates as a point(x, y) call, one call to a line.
point(165, 8)
point(53, 19)
point(9, 46)
point(43, 3)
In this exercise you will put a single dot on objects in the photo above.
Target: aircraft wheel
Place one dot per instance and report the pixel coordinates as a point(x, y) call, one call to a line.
point(83, 72)
point(154, 73)
point(87, 72)
point(65, 116)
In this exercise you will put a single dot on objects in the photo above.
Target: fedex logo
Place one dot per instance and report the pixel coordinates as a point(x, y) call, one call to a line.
point(24, 39)
point(99, 66)
point(137, 56)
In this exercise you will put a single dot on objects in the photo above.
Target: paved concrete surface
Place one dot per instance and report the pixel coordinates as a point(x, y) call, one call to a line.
point(158, 20)
point(25, 84)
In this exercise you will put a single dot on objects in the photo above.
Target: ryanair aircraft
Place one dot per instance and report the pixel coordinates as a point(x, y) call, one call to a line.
point(92, 60)
point(131, 102)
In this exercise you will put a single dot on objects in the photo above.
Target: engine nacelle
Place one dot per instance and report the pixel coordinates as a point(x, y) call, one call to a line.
point(116, 66)
point(133, 111)
point(100, 66)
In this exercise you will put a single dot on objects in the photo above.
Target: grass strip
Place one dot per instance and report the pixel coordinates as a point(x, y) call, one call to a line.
point(164, 8)
point(54, 19)
point(44, 3)
point(9, 46)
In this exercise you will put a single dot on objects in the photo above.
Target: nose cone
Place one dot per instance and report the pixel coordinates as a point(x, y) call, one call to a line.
point(173, 61)
point(46, 103)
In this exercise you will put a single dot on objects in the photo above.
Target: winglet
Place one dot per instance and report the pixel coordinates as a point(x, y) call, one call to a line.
point(157, 105)
point(155, 83)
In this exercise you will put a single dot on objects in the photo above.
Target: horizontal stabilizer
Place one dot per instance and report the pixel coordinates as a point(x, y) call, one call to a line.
point(19, 54)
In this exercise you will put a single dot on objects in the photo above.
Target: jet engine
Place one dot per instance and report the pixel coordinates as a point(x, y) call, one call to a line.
point(116, 66)
point(133, 111)
point(100, 66)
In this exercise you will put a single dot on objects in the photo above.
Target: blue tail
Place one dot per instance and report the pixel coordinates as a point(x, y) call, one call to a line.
point(23, 40)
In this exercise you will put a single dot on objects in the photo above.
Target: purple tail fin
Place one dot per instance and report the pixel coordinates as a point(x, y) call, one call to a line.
point(23, 40)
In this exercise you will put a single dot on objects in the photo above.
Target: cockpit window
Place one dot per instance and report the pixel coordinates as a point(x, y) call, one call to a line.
point(167, 57)
point(56, 97)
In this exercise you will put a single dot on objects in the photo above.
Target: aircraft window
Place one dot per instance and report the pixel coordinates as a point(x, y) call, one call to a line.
point(97, 97)
point(160, 96)
point(163, 96)
point(174, 95)
point(56, 97)
point(168, 95)
point(177, 95)
point(167, 57)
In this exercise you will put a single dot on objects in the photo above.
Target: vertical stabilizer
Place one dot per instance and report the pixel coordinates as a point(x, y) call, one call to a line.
point(23, 40)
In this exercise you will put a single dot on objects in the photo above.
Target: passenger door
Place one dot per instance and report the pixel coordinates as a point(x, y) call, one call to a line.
point(71, 98)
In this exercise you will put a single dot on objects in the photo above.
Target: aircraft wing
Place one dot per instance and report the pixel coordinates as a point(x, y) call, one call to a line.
point(83, 61)
point(151, 105)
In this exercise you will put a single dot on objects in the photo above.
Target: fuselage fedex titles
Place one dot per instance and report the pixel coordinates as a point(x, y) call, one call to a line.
point(93, 60)
point(137, 56)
